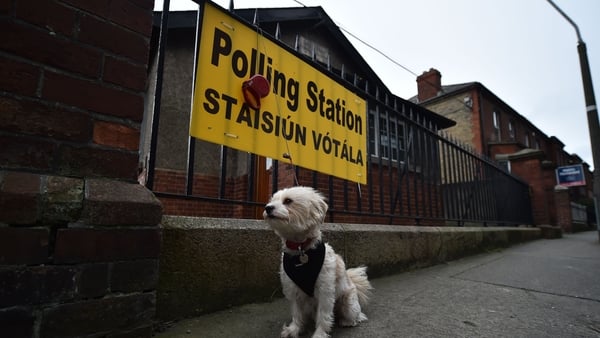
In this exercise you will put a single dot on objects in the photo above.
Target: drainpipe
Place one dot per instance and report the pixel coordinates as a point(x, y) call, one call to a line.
point(484, 148)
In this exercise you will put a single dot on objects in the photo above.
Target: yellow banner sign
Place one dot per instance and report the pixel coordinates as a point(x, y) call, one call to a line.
point(306, 118)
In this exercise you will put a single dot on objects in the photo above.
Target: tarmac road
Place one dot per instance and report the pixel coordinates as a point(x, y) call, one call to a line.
point(544, 288)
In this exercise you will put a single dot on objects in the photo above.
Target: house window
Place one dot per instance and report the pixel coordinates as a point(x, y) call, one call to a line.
point(536, 142)
point(505, 164)
point(511, 130)
point(372, 134)
point(496, 121)
point(386, 137)
point(527, 140)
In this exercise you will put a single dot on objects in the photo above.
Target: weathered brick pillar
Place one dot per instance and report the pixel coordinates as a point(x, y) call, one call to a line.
point(79, 237)
point(564, 218)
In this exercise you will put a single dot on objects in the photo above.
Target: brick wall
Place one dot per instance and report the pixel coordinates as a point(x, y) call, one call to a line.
point(72, 80)
point(429, 84)
point(79, 240)
point(541, 178)
point(564, 218)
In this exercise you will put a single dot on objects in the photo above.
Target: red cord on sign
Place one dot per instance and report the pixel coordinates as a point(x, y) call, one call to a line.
point(254, 89)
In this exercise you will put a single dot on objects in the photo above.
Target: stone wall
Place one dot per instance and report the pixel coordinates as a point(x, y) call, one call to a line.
point(79, 237)
point(455, 109)
point(210, 264)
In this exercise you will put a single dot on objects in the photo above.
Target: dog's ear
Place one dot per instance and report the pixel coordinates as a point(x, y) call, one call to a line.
point(320, 206)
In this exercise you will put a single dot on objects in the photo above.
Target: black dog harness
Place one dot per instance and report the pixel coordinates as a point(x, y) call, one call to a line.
point(304, 268)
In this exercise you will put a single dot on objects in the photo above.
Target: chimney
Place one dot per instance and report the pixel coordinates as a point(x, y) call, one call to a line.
point(429, 84)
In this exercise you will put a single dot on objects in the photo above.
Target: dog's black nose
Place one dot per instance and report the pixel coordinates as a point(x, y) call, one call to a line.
point(269, 209)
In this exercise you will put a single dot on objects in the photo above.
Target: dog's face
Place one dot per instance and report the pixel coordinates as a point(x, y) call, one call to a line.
point(294, 213)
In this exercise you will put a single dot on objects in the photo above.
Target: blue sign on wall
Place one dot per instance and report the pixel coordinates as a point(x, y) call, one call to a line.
point(570, 176)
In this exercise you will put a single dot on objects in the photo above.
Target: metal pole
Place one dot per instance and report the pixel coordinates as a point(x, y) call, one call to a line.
point(592, 112)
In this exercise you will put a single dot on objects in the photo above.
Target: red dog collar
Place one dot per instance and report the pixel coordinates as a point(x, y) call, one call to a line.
point(295, 245)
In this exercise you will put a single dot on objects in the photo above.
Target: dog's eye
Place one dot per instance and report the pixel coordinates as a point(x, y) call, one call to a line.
point(287, 201)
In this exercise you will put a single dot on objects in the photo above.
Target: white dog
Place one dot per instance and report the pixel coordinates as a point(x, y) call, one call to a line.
point(313, 276)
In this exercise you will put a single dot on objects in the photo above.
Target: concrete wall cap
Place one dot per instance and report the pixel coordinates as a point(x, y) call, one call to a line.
point(560, 188)
point(116, 203)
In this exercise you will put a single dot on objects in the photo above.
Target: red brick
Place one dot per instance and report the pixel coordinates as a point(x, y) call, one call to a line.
point(17, 322)
point(103, 245)
point(135, 14)
point(36, 284)
point(93, 280)
point(23, 245)
point(49, 15)
point(114, 38)
point(48, 49)
point(124, 73)
point(18, 77)
point(130, 15)
point(32, 118)
point(20, 182)
point(63, 199)
point(116, 135)
point(147, 4)
point(96, 7)
point(19, 198)
point(564, 218)
point(136, 275)
point(88, 318)
point(94, 162)
point(18, 152)
point(5, 6)
point(93, 96)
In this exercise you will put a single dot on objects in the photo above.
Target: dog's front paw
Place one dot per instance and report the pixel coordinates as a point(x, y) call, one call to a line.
point(320, 334)
point(352, 322)
point(347, 323)
point(290, 331)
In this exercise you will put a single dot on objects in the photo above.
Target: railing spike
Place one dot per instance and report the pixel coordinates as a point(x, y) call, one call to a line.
point(278, 32)
point(255, 20)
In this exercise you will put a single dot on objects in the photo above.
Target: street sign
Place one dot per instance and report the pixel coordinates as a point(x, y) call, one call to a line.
point(570, 176)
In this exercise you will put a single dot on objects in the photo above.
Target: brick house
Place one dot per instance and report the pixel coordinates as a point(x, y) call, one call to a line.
point(489, 125)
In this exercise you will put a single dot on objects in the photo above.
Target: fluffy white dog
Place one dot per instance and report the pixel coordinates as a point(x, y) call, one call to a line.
point(313, 276)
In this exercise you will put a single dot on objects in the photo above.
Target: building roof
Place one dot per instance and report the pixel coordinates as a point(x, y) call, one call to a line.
point(454, 89)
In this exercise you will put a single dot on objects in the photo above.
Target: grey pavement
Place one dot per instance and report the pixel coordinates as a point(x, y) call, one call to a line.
point(545, 288)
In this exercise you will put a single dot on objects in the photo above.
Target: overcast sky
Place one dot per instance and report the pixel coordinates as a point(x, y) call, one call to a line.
point(521, 50)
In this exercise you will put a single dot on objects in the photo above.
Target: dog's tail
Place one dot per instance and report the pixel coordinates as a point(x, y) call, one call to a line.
point(358, 276)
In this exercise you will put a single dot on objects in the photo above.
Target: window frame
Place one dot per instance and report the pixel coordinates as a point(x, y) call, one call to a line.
point(387, 137)
point(496, 124)
point(512, 132)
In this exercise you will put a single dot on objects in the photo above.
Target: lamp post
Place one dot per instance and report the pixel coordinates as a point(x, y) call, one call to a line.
point(592, 112)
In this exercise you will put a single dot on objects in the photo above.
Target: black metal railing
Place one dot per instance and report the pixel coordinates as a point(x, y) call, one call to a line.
point(417, 174)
